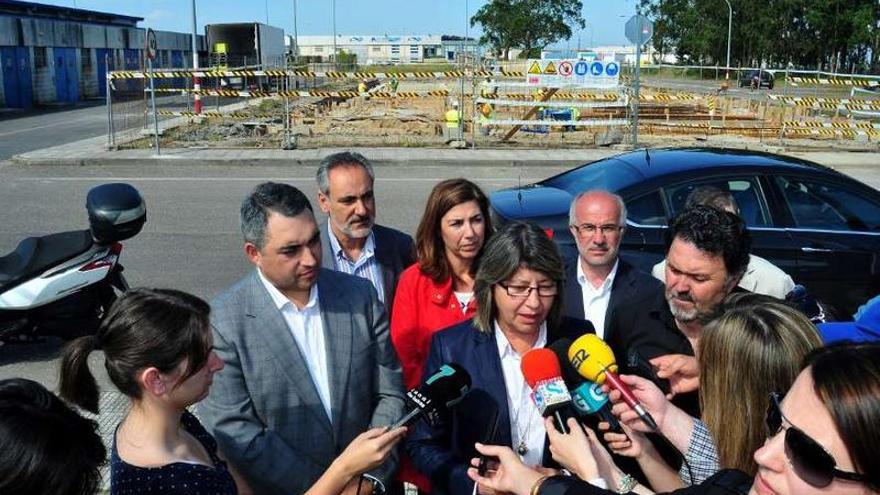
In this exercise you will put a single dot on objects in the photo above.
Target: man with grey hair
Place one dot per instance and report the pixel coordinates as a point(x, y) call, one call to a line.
point(308, 358)
point(352, 242)
point(597, 282)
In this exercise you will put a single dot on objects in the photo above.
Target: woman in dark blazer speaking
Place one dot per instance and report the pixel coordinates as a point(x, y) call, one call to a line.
point(518, 288)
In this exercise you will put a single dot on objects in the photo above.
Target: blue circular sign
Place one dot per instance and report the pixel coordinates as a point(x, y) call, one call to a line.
point(581, 68)
point(596, 68)
point(612, 68)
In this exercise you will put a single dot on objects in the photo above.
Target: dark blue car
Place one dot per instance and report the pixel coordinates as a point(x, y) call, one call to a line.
point(817, 224)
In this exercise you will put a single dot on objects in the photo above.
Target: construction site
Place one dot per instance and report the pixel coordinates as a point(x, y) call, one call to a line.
point(326, 106)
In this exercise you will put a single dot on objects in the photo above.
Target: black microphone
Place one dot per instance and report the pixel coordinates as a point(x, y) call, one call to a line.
point(445, 388)
point(587, 396)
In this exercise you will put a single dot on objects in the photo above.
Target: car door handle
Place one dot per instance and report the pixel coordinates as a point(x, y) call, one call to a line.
point(807, 249)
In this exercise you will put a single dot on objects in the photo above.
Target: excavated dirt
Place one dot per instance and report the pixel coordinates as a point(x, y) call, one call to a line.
point(418, 122)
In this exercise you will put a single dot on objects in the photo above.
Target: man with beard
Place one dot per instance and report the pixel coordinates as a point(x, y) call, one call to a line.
point(597, 281)
point(707, 255)
point(352, 242)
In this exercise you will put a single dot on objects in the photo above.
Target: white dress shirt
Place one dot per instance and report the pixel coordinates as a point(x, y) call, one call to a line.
point(366, 266)
point(308, 331)
point(525, 421)
point(596, 299)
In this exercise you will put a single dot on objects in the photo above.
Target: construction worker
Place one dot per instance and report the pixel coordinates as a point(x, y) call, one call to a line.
point(453, 123)
point(394, 83)
point(575, 116)
point(362, 86)
point(487, 114)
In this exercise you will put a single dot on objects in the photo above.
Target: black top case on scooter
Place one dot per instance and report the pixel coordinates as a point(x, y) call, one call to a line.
point(116, 212)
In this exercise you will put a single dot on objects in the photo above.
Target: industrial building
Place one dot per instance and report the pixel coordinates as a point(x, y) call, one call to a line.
point(385, 49)
point(51, 54)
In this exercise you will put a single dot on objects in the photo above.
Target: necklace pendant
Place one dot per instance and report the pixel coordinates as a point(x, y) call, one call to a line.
point(521, 449)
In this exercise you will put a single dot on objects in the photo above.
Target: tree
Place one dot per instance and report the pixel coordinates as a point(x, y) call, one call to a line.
point(527, 24)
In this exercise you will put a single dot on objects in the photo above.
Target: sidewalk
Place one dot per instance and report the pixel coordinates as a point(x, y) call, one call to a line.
point(93, 152)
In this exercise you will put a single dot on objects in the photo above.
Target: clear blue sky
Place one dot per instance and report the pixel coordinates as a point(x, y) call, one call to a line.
point(604, 17)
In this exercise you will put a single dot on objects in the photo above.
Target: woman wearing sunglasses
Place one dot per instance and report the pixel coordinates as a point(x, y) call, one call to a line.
point(822, 439)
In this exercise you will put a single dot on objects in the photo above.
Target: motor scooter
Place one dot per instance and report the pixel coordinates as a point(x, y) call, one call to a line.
point(62, 284)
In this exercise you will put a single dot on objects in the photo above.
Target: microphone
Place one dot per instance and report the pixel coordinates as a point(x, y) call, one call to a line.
point(445, 388)
point(540, 367)
point(594, 360)
point(587, 396)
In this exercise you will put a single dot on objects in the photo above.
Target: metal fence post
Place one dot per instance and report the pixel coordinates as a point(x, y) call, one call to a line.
point(107, 86)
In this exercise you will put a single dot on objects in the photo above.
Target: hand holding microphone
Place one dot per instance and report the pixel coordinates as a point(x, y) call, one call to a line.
point(595, 361)
point(587, 397)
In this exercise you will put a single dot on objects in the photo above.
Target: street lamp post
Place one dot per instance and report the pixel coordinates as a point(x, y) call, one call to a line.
point(729, 26)
point(197, 101)
point(295, 37)
point(333, 15)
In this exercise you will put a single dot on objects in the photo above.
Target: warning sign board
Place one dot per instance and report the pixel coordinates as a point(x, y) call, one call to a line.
point(565, 68)
point(567, 73)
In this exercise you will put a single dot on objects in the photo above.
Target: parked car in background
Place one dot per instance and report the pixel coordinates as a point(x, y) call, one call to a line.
point(819, 225)
point(756, 79)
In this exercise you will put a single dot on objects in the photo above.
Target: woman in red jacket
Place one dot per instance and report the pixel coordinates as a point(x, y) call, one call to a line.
point(437, 291)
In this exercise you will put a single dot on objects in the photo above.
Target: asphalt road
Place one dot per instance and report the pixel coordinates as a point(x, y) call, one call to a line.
point(30, 130)
point(191, 240)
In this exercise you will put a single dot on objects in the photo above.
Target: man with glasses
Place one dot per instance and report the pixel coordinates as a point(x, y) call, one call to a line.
point(597, 282)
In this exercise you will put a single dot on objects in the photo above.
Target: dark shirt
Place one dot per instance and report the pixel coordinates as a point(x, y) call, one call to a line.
point(727, 482)
point(176, 478)
point(645, 328)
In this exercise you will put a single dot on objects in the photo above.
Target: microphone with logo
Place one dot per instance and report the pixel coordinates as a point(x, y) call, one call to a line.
point(540, 367)
point(594, 360)
point(587, 397)
point(442, 390)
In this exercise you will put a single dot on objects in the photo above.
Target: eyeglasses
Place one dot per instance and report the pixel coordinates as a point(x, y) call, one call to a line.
point(526, 290)
point(807, 457)
point(589, 229)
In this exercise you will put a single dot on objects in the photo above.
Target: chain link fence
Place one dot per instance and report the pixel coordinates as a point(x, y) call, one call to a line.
point(471, 104)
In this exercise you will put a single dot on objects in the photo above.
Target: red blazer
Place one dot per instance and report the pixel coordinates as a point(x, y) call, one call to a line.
point(420, 309)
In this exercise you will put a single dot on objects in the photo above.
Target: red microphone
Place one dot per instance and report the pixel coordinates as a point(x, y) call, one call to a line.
point(540, 368)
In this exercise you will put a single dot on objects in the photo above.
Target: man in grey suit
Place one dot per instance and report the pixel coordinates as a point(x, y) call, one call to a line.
point(309, 363)
point(352, 242)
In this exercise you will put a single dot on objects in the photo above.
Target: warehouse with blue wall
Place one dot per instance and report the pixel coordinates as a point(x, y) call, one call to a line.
point(60, 55)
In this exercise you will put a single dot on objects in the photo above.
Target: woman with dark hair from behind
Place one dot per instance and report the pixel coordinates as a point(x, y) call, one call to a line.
point(822, 437)
point(45, 446)
point(157, 351)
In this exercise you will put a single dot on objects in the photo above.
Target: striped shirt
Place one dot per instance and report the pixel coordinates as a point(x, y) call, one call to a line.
point(367, 266)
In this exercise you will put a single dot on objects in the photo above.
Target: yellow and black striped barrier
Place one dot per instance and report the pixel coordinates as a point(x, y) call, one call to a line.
point(163, 73)
point(830, 125)
point(836, 81)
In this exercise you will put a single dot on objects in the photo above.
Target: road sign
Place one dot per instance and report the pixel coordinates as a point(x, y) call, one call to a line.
point(612, 69)
point(152, 47)
point(639, 29)
point(565, 68)
point(572, 73)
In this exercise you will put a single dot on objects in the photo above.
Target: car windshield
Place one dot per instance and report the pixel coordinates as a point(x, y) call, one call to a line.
point(610, 175)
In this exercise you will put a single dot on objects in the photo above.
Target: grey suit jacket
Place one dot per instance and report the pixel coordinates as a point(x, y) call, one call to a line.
point(394, 252)
point(263, 407)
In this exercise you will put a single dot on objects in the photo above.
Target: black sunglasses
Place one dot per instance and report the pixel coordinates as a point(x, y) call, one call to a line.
point(810, 460)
